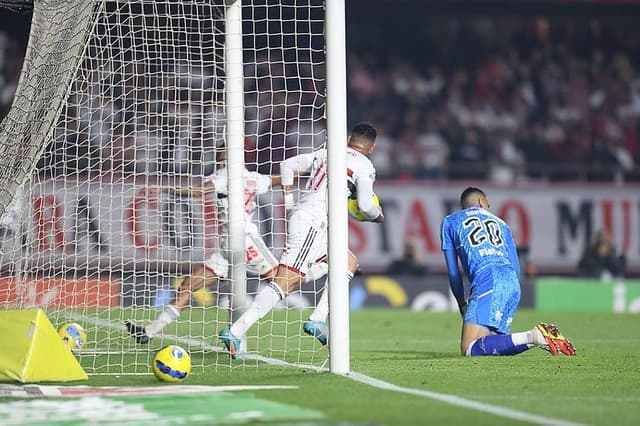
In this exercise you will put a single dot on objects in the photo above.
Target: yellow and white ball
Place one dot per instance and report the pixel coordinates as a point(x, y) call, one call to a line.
point(73, 336)
point(171, 364)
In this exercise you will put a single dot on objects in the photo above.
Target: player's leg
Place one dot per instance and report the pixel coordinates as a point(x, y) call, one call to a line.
point(302, 241)
point(316, 271)
point(488, 319)
point(321, 309)
point(479, 340)
point(317, 324)
point(201, 278)
point(492, 304)
point(268, 297)
point(545, 336)
point(260, 262)
point(204, 276)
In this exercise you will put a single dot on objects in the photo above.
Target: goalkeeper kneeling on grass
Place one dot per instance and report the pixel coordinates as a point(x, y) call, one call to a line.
point(483, 244)
point(260, 261)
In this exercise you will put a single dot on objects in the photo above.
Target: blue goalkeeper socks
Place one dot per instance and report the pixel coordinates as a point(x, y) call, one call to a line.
point(500, 344)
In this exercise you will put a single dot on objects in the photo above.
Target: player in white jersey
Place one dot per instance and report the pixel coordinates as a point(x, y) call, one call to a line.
point(11, 221)
point(307, 231)
point(11, 225)
point(260, 260)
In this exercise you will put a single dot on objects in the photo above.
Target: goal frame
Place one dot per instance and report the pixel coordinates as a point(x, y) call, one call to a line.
point(338, 229)
point(336, 133)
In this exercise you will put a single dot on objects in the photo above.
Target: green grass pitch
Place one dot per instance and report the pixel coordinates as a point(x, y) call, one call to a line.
point(419, 351)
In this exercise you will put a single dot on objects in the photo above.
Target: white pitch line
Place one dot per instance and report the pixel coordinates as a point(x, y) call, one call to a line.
point(530, 397)
point(462, 402)
point(36, 391)
point(116, 326)
point(198, 343)
point(380, 384)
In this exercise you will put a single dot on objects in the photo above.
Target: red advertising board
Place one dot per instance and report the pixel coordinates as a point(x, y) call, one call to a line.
point(59, 292)
point(106, 227)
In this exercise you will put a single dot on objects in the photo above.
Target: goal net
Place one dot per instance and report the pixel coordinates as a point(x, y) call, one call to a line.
point(116, 127)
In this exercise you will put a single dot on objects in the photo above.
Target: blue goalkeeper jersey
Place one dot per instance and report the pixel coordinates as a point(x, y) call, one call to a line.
point(481, 240)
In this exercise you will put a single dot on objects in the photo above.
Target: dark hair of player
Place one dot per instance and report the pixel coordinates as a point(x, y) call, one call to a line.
point(470, 196)
point(364, 131)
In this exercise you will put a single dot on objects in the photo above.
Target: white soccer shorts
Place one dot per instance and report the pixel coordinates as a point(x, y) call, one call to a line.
point(306, 241)
point(260, 260)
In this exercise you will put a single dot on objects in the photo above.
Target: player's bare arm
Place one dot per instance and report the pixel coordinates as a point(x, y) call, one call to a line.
point(288, 198)
point(201, 191)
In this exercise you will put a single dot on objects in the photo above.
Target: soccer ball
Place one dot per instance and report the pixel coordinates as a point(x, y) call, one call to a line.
point(73, 336)
point(171, 364)
point(354, 210)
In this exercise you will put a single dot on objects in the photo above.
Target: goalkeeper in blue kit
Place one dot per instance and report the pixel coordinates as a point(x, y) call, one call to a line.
point(483, 244)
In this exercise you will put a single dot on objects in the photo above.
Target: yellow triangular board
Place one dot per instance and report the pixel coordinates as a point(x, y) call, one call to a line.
point(33, 351)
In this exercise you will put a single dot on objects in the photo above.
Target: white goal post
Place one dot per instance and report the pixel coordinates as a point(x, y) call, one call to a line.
point(120, 113)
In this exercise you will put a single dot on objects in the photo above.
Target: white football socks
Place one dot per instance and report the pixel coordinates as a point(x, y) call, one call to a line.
point(525, 338)
point(265, 300)
point(321, 311)
point(168, 315)
point(316, 271)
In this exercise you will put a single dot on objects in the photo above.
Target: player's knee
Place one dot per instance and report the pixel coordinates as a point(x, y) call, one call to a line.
point(464, 349)
point(268, 277)
point(466, 345)
point(288, 279)
point(287, 287)
point(353, 262)
point(201, 278)
point(279, 287)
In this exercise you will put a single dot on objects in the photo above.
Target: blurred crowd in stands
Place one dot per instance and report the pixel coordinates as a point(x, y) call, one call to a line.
point(11, 56)
point(506, 99)
point(601, 258)
point(503, 99)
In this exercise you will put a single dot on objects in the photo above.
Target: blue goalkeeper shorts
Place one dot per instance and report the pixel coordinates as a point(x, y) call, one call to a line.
point(494, 298)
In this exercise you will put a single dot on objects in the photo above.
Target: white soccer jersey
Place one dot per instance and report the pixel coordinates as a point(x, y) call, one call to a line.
point(260, 260)
point(360, 176)
point(14, 214)
point(307, 225)
point(254, 184)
